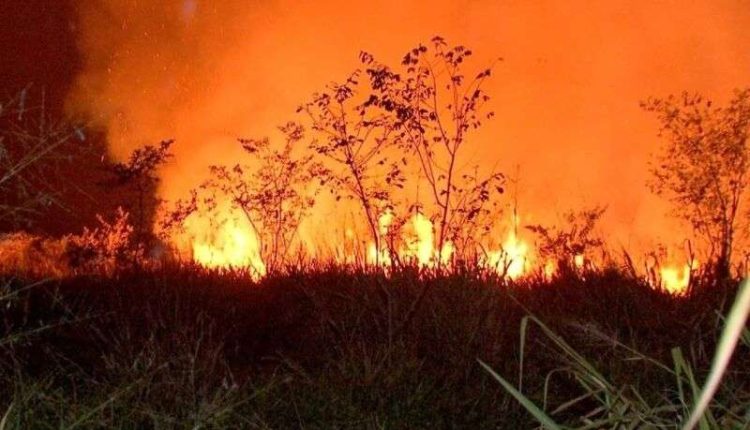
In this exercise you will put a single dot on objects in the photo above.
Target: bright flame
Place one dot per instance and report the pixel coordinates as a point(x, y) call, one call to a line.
point(422, 245)
point(549, 269)
point(675, 279)
point(372, 255)
point(418, 243)
point(513, 257)
point(224, 240)
point(384, 223)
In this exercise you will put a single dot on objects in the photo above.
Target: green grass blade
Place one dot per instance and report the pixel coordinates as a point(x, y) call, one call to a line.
point(4, 421)
point(524, 327)
point(683, 368)
point(538, 414)
point(592, 379)
point(732, 332)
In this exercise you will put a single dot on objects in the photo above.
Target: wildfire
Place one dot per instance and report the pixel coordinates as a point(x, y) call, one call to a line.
point(512, 258)
point(676, 279)
point(417, 242)
point(224, 240)
point(579, 260)
point(549, 269)
point(420, 244)
point(384, 257)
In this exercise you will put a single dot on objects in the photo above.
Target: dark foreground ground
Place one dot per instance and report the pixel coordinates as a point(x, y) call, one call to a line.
point(330, 348)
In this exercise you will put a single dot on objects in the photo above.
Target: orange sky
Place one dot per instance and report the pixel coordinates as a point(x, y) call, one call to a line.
point(566, 95)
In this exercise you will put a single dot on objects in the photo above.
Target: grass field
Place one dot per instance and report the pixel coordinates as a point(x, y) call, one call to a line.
point(345, 348)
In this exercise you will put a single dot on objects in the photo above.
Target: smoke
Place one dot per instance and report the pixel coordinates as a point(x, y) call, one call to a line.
point(566, 96)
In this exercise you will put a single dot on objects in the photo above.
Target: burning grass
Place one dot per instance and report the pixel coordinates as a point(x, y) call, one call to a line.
point(337, 347)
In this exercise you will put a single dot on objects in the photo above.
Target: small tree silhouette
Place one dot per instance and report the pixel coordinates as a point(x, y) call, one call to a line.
point(575, 237)
point(138, 175)
point(431, 108)
point(702, 168)
point(274, 196)
point(355, 136)
point(106, 248)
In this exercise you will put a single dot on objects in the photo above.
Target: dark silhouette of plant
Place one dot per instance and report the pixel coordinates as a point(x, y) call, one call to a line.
point(274, 196)
point(355, 137)
point(475, 211)
point(138, 175)
point(576, 237)
point(431, 108)
point(107, 248)
point(702, 168)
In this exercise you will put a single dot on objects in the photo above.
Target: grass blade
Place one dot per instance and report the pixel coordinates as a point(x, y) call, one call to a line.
point(538, 414)
point(729, 338)
point(4, 421)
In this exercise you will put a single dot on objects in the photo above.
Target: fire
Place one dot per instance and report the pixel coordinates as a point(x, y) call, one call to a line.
point(550, 268)
point(512, 259)
point(579, 260)
point(516, 251)
point(193, 86)
point(224, 240)
point(417, 243)
point(675, 279)
point(382, 256)
point(420, 244)
point(384, 259)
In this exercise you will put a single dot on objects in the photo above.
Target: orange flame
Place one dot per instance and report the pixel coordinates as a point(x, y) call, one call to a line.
point(418, 243)
point(224, 240)
point(421, 246)
point(675, 279)
point(513, 257)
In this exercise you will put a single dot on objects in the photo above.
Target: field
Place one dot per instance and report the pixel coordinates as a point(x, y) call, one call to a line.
point(331, 347)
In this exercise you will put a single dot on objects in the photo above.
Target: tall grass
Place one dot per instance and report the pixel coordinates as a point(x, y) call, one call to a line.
point(332, 347)
point(616, 407)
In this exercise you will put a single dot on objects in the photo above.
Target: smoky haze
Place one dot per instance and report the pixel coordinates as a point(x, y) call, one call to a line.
point(566, 96)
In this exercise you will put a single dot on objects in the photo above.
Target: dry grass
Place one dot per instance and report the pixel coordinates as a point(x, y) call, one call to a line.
point(344, 348)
